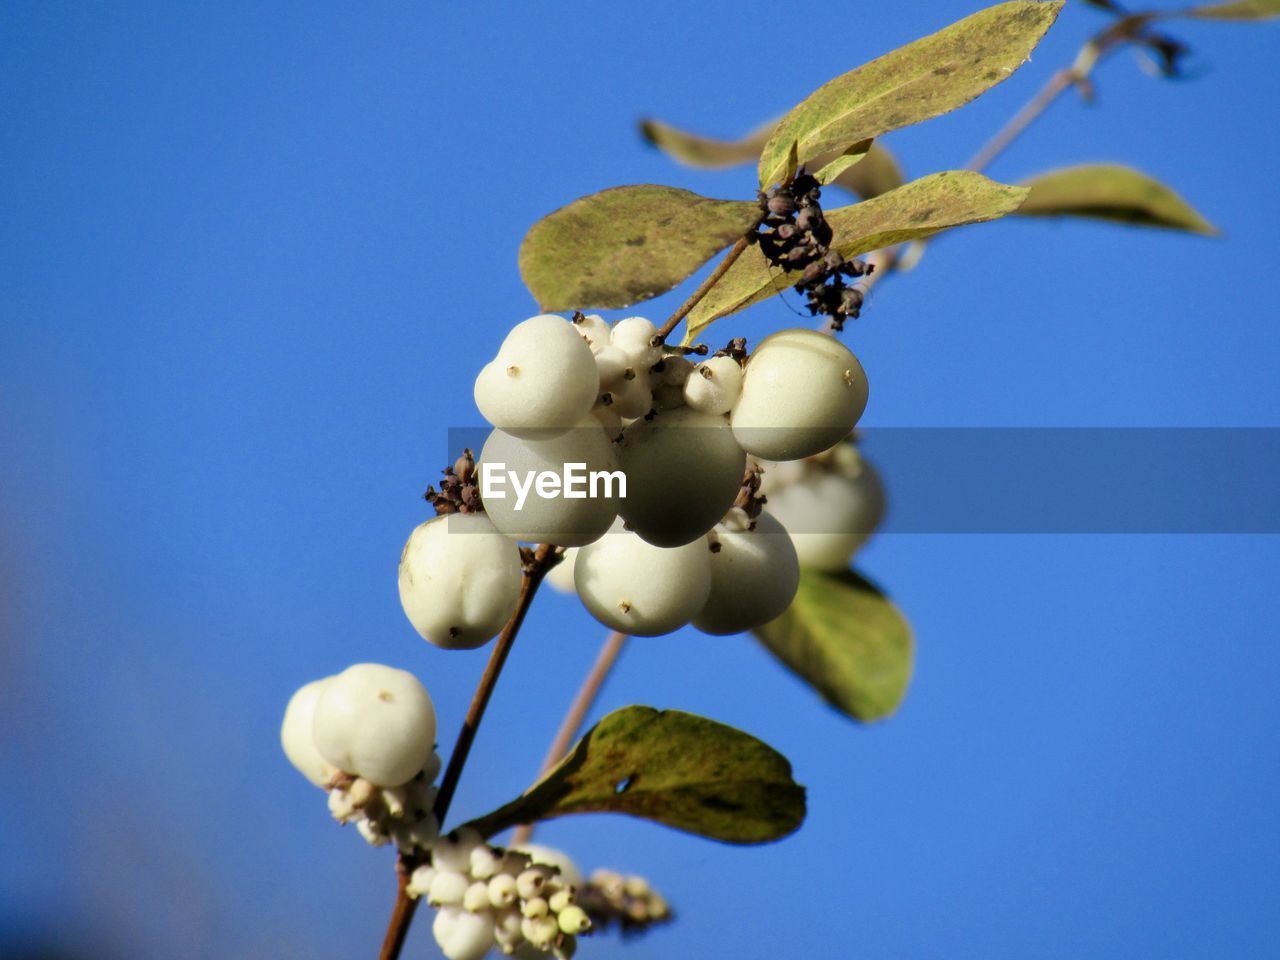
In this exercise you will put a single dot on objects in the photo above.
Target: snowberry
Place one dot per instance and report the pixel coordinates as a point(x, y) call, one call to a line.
point(502, 890)
point(541, 383)
point(558, 519)
point(715, 385)
point(629, 397)
point(459, 580)
point(684, 469)
point(637, 588)
point(669, 381)
point(561, 575)
point(462, 935)
point(613, 364)
point(573, 920)
point(448, 887)
point(551, 857)
point(635, 336)
point(375, 722)
point(454, 852)
point(754, 576)
point(829, 515)
point(802, 392)
point(296, 737)
point(594, 329)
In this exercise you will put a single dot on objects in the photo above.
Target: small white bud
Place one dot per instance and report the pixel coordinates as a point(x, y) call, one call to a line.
point(370, 832)
point(454, 851)
point(420, 881)
point(340, 805)
point(502, 890)
point(560, 899)
point(462, 935)
point(448, 887)
point(541, 931)
point(537, 907)
point(530, 883)
point(477, 897)
point(484, 862)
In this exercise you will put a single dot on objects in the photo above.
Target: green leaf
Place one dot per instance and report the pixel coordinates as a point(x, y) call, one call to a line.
point(627, 244)
point(854, 155)
point(918, 209)
point(847, 641)
point(1238, 10)
point(878, 172)
point(1113, 192)
point(674, 768)
point(926, 78)
point(707, 152)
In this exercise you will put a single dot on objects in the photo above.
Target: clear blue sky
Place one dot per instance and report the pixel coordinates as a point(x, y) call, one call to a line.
point(251, 256)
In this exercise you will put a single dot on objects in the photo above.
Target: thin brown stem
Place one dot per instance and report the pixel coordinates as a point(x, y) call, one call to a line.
point(1058, 84)
point(405, 906)
point(583, 700)
point(705, 287)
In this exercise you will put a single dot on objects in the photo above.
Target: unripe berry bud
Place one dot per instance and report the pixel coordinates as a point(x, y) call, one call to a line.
point(448, 887)
point(540, 932)
point(477, 897)
point(502, 890)
point(484, 862)
point(560, 899)
point(462, 935)
point(573, 920)
point(420, 881)
point(530, 883)
point(534, 908)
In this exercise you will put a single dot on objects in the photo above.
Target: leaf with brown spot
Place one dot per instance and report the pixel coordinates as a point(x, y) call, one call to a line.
point(627, 244)
point(674, 768)
point(918, 209)
point(1107, 191)
point(931, 76)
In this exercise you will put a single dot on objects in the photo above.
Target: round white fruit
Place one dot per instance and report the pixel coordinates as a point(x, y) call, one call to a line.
point(637, 588)
point(547, 514)
point(630, 398)
point(829, 515)
point(296, 738)
point(459, 580)
point(560, 577)
point(714, 386)
point(542, 382)
point(375, 722)
point(594, 329)
point(802, 392)
point(684, 469)
point(635, 336)
point(754, 576)
point(462, 935)
point(551, 857)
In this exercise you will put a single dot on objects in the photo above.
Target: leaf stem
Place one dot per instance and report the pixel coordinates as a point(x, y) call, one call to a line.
point(705, 287)
point(581, 705)
point(544, 558)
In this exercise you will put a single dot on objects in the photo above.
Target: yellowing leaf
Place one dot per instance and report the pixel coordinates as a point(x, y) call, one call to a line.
point(1105, 191)
point(845, 639)
point(926, 78)
point(1237, 10)
point(918, 209)
point(675, 768)
point(624, 245)
point(707, 152)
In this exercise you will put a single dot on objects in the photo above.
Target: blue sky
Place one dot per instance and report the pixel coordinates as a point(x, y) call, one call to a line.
point(251, 257)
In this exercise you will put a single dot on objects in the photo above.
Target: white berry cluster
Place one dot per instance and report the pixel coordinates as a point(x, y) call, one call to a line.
point(523, 901)
point(616, 399)
point(367, 736)
point(627, 900)
point(830, 504)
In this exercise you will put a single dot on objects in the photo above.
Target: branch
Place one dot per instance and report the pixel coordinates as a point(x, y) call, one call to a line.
point(405, 907)
point(705, 287)
point(583, 700)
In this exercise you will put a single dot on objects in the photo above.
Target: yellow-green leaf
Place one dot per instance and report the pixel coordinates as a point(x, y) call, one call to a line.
point(931, 76)
point(841, 164)
point(628, 244)
point(1237, 10)
point(674, 768)
point(876, 173)
point(845, 639)
point(918, 209)
point(1106, 191)
point(707, 152)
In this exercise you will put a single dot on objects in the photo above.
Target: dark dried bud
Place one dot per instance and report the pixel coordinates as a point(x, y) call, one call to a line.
point(782, 205)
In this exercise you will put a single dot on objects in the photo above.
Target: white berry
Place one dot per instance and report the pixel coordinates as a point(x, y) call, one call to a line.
point(553, 518)
point(551, 857)
point(296, 737)
point(541, 383)
point(462, 935)
point(459, 580)
point(637, 588)
point(754, 576)
point(561, 576)
point(635, 336)
point(684, 469)
point(802, 392)
point(830, 516)
point(376, 722)
point(715, 385)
